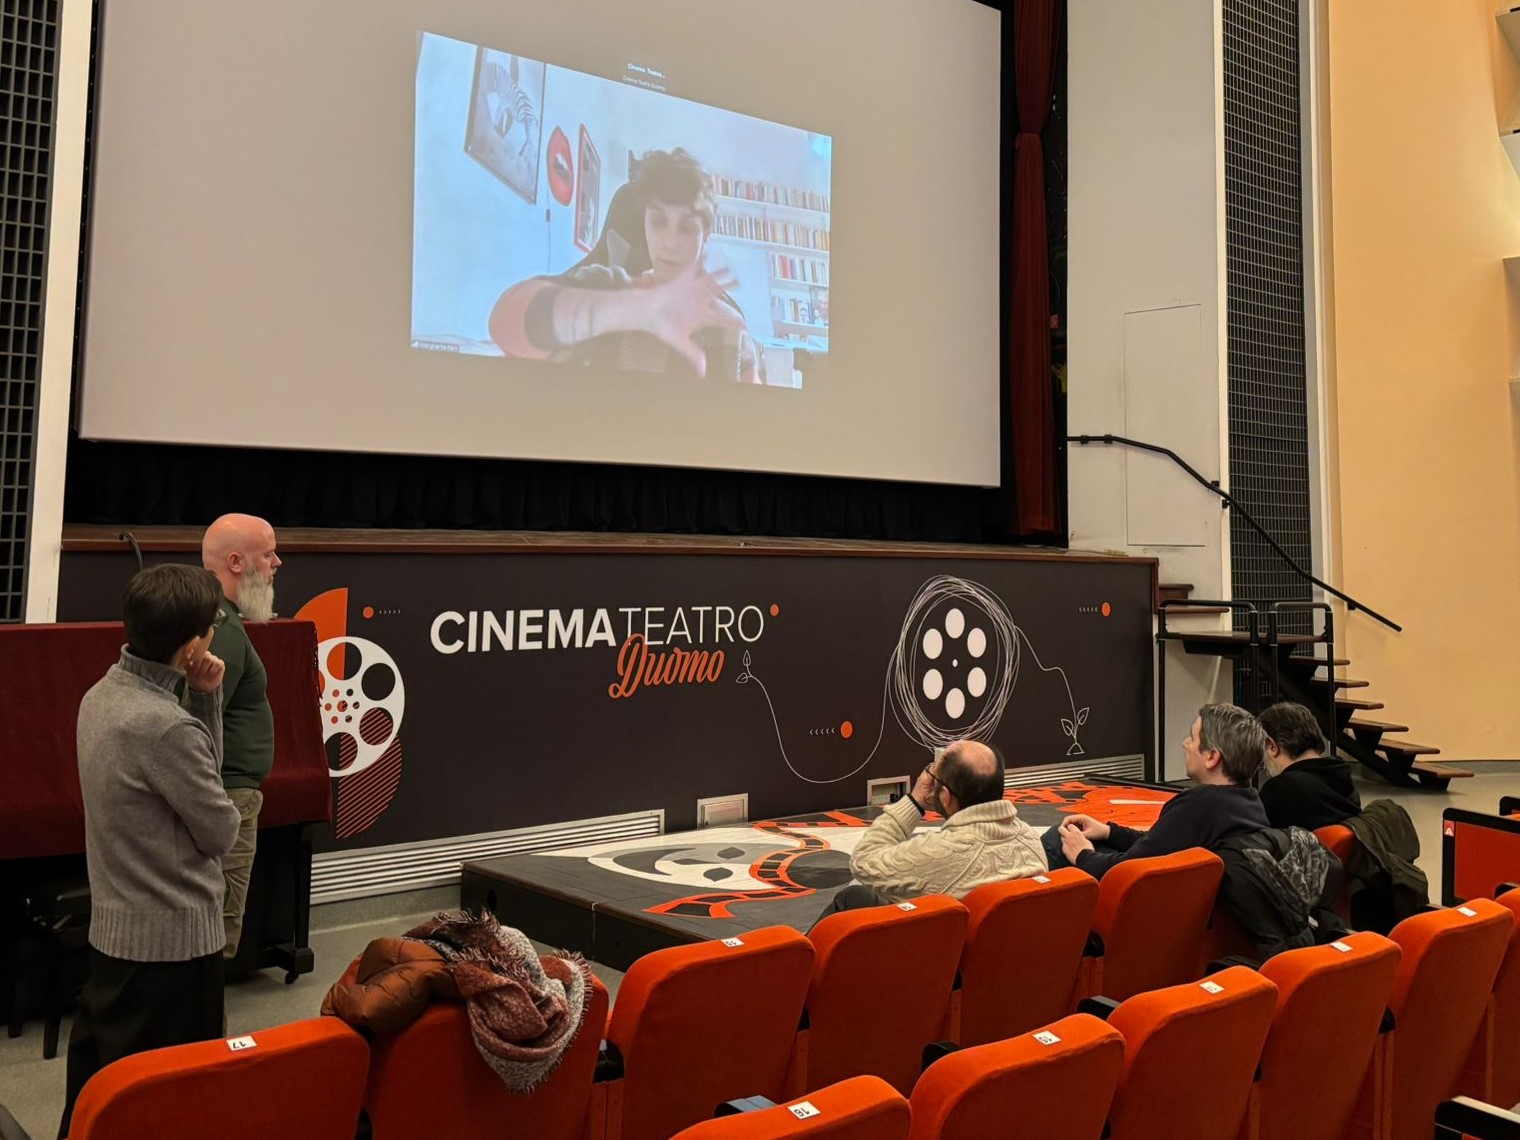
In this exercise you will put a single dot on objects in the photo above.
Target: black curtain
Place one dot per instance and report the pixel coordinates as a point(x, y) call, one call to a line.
point(146, 484)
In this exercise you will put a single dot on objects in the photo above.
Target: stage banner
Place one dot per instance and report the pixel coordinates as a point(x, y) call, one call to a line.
point(465, 693)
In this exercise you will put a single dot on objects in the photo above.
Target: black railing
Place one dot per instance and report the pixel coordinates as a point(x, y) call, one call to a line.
point(1213, 487)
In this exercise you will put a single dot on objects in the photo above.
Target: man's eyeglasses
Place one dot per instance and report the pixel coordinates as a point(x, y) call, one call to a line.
point(220, 619)
point(929, 771)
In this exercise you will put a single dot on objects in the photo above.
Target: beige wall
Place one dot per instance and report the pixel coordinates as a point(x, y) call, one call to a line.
point(1424, 206)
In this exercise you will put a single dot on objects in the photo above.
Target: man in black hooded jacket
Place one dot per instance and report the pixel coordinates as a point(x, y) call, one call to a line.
point(1307, 789)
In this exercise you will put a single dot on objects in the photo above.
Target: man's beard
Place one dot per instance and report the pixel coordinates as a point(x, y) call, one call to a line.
point(255, 598)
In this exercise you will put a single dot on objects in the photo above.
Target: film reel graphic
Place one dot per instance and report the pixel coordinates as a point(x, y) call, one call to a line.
point(951, 674)
point(362, 702)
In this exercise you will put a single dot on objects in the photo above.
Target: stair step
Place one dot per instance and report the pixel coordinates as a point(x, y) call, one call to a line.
point(1367, 726)
point(1315, 662)
point(1339, 682)
point(1174, 590)
point(1360, 706)
point(1436, 775)
point(1239, 637)
point(1407, 747)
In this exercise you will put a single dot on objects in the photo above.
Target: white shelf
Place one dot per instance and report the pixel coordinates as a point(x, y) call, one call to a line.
point(1509, 23)
point(793, 283)
point(823, 253)
point(1511, 141)
point(778, 207)
point(780, 324)
point(1508, 16)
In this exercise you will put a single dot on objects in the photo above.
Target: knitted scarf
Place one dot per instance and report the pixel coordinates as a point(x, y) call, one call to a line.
point(524, 1010)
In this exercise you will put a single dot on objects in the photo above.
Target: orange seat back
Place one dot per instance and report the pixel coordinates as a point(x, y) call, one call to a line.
point(1451, 960)
point(303, 1079)
point(1330, 1003)
point(702, 1024)
point(881, 985)
point(430, 1080)
point(1152, 916)
point(1338, 839)
point(1494, 1064)
point(861, 1108)
point(1024, 942)
point(1190, 1052)
point(1058, 1081)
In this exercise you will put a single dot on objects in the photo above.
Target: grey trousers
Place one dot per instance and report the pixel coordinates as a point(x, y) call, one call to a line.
point(237, 864)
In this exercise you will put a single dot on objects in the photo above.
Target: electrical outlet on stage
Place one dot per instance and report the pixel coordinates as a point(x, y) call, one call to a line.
point(880, 793)
point(719, 811)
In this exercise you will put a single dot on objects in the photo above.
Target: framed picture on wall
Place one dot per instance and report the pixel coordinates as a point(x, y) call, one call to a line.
point(588, 197)
point(505, 127)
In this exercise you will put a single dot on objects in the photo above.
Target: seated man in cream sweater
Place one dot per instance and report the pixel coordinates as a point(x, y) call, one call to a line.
point(983, 840)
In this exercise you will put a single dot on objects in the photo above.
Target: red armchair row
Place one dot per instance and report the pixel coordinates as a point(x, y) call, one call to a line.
point(699, 1025)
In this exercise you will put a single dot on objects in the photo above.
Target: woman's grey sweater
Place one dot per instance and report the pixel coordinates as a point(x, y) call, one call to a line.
point(156, 818)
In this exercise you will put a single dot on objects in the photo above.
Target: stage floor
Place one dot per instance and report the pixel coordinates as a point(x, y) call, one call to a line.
point(616, 901)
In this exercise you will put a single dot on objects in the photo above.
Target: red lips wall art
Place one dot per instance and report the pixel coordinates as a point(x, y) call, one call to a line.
point(561, 169)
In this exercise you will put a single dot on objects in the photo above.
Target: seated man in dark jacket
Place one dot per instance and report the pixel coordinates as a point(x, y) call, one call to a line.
point(1224, 749)
point(1307, 789)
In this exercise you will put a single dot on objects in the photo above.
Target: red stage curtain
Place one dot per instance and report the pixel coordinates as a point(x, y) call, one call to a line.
point(1032, 427)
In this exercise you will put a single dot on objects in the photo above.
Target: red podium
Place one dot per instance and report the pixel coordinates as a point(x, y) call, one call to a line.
point(46, 669)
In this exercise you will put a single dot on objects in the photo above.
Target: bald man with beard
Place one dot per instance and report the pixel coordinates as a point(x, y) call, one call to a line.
point(982, 840)
point(240, 551)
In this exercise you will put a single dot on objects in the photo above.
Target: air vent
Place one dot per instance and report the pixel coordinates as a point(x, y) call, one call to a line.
point(879, 793)
point(719, 811)
point(1114, 767)
point(338, 875)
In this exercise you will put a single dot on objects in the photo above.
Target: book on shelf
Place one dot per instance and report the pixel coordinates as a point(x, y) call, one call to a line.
point(810, 311)
point(770, 193)
point(770, 230)
point(803, 270)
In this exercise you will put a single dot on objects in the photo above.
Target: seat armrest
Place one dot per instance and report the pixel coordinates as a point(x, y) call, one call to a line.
point(9, 1129)
point(743, 1105)
point(1505, 888)
point(609, 1064)
point(1463, 1116)
point(937, 1050)
point(1098, 1006)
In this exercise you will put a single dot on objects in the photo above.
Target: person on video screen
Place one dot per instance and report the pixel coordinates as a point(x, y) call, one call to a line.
point(643, 299)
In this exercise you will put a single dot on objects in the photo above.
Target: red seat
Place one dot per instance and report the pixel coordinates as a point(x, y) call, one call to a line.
point(1340, 841)
point(1450, 960)
point(1190, 1052)
point(1152, 917)
point(1057, 1082)
point(1024, 941)
point(430, 1080)
point(880, 991)
point(861, 1108)
point(1493, 1068)
point(304, 1079)
point(699, 1025)
point(1330, 1003)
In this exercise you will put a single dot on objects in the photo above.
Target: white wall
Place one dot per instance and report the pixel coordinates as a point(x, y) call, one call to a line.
point(1146, 302)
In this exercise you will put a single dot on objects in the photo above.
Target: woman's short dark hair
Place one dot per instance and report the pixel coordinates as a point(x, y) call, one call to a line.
point(1293, 728)
point(165, 606)
point(675, 178)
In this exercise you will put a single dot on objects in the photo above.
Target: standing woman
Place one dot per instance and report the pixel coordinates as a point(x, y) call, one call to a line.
point(157, 823)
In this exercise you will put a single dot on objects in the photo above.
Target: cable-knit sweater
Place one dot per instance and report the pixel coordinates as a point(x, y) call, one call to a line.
point(986, 843)
point(156, 818)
